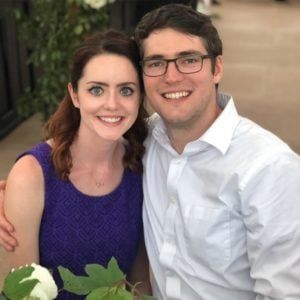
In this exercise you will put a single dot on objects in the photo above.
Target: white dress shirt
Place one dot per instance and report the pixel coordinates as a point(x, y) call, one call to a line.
point(222, 219)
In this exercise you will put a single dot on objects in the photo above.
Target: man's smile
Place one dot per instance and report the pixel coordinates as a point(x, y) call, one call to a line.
point(176, 95)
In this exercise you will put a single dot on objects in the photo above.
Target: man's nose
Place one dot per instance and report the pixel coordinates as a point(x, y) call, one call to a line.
point(172, 73)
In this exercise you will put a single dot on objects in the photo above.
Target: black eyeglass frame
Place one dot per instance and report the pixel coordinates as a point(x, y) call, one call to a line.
point(202, 56)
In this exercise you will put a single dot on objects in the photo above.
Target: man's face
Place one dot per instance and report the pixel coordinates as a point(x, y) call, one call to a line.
point(183, 100)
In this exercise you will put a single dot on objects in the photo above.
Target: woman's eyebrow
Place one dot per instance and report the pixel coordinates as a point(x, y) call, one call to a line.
point(106, 84)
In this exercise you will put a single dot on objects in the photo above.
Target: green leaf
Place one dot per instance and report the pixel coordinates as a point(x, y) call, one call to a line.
point(14, 288)
point(100, 293)
point(43, 57)
point(18, 17)
point(78, 29)
point(110, 293)
point(98, 277)
point(122, 294)
point(113, 271)
point(105, 276)
point(97, 273)
point(79, 285)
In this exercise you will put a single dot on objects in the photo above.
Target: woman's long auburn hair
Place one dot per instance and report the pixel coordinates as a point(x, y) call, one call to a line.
point(62, 127)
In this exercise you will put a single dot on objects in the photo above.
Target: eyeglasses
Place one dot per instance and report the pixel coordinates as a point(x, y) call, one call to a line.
point(186, 64)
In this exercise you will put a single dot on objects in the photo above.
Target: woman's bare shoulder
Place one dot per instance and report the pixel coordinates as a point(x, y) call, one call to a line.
point(26, 171)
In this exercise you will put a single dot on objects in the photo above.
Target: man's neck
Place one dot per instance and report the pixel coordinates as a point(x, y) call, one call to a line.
point(181, 136)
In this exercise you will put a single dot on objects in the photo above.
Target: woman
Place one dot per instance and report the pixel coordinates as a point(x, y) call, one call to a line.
point(77, 198)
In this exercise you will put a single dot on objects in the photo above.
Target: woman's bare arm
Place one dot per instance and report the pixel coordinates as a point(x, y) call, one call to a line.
point(23, 205)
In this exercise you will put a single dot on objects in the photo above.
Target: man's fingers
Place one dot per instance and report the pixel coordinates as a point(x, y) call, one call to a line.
point(2, 184)
point(5, 225)
point(8, 248)
point(1, 201)
point(6, 240)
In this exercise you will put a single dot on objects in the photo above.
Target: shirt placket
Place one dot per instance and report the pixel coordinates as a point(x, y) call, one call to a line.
point(168, 250)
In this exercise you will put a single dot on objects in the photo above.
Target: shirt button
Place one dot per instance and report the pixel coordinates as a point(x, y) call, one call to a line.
point(168, 239)
point(173, 200)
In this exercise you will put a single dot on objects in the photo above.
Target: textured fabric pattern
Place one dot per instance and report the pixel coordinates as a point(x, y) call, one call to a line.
point(77, 229)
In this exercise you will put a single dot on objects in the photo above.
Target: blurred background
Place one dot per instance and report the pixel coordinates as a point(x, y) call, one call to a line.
point(261, 53)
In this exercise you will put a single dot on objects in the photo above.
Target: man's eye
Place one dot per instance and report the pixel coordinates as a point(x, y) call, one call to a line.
point(154, 64)
point(96, 90)
point(126, 91)
point(190, 60)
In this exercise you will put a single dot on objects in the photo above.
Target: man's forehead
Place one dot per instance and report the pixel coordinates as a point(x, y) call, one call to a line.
point(170, 42)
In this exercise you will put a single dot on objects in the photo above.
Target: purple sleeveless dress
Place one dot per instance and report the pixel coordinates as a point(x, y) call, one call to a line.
point(77, 229)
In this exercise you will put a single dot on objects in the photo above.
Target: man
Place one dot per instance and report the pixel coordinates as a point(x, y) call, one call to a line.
point(221, 209)
point(221, 194)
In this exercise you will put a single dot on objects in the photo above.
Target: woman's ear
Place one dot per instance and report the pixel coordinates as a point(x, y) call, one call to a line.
point(218, 72)
point(73, 95)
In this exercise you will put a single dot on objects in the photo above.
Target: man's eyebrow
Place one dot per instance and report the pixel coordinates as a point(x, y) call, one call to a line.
point(189, 52)
point(178, 54)
point(155, 56)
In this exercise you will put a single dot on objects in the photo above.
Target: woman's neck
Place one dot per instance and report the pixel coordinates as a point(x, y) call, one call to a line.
point(104, 153)
point(97, 168)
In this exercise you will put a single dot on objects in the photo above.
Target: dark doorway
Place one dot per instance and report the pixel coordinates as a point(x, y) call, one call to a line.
point(15, 74)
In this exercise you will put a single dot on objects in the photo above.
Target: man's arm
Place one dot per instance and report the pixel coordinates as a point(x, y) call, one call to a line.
point(139, 271)
point(7, 239)
point(271, 206)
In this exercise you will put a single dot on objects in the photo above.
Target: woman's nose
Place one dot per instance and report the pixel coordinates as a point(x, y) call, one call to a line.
point(111, 102)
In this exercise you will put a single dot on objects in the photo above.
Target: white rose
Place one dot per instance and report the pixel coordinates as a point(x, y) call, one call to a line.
point(96, 4)
point(46, 288)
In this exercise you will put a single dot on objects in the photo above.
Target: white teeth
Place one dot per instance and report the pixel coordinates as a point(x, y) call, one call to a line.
point(110, 119)
point(176, 95)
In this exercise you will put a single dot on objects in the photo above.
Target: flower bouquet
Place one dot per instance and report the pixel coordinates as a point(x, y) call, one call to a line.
point(36, 283)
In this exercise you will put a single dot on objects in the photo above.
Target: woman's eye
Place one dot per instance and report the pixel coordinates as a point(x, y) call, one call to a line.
point(126, 91)
point(96, 90)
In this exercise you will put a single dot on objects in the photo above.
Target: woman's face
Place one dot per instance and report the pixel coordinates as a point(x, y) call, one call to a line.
point(108, 97)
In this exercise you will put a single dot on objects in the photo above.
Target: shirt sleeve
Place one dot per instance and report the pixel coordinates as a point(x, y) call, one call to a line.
point(271, 211)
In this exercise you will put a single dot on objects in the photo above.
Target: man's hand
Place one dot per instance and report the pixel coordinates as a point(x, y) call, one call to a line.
point(7, 241)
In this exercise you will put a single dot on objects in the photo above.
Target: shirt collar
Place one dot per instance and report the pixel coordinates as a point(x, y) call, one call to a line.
point(218, 135)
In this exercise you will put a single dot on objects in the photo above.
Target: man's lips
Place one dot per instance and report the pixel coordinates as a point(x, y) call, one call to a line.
point(176, 95)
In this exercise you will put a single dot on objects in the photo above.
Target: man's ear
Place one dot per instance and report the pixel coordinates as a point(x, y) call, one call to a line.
point(73, 95)
point(219, 67)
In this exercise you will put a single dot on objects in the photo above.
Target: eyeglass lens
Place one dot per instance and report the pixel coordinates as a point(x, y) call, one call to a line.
point(184, 64)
